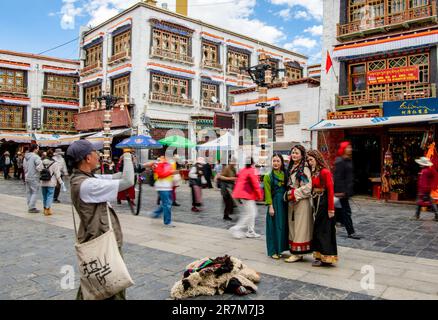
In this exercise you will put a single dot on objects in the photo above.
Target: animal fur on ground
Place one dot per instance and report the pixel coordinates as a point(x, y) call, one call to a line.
point(210, 281)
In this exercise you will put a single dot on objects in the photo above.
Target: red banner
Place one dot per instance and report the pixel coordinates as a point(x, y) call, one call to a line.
point(403, 74)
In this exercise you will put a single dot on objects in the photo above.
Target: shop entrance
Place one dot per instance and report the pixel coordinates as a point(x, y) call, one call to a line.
point(366, 162)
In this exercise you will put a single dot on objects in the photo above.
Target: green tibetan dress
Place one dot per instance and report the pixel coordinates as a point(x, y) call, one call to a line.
point(276, 226)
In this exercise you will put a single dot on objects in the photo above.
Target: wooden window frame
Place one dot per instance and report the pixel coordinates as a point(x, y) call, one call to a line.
point(120, 41)
point(168, 81)
point(6, 113)
point(172, 39)
point(73, 91)
point(205, 86)
point(237, 57)
point(94, 55)
point(89, 97)
point(6, 76)
point(293, 71)
point(120, 87)
point(52, 125)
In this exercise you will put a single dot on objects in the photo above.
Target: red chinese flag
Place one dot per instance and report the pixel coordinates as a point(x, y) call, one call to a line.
point(328, 63)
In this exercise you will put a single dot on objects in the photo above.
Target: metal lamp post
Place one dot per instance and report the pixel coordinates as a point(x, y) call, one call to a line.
point(108, 102)
point(263, 75)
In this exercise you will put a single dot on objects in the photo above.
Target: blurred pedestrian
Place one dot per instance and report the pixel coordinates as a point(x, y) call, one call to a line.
point(344, 185)
point(427, 182)
point(20, 159)
point(164, 184)
point(50, 176)
point(299, 186)
point(7, 163)
point(208, 173)
point(196, 181)
point(227, 177)
point(324, 245)
point(248, 190)
point(31, 166)
point(58, 156)
point(276, 215)
point(217, 172)
point(128, 194)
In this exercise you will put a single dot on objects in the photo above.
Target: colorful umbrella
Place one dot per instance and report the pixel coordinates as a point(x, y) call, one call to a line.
point(177, 142)
point(139, 142)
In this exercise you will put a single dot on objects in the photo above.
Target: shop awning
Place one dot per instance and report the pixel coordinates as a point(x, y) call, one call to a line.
point(371, 122)
point(17, 137)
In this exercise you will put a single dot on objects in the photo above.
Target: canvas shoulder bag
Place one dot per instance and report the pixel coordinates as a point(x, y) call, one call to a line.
point(103, 271)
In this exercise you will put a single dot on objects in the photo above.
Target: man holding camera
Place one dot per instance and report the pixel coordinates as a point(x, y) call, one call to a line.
point(91, 194)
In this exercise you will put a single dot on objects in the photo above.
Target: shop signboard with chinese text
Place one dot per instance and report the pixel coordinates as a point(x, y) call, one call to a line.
point(403, 74)
point(410, 107)
point(36, 119)
point(355, 114)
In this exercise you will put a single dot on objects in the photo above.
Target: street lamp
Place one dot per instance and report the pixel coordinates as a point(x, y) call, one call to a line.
point(107, 101)
point(263, 75)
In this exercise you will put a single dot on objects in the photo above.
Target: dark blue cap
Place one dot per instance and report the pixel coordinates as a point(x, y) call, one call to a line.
point(78, 150)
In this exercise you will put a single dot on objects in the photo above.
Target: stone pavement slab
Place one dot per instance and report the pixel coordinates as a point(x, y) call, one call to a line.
point(251, 251)
point(385, 227)
point(153, 271)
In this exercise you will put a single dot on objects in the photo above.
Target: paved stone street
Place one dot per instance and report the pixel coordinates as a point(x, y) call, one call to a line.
point(34, 248)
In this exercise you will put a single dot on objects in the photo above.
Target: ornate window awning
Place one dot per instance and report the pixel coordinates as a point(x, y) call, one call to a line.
point(15, 101)
point(173, 27)
point(120, 71)
point(92, 81)
point(49, 103)
point(169, 124)
point(15, 65)
point(88, 43)
point(120, 27)
point(172, 71)
point(240, 47)
point(61, 71)
point(400, 42)
point(212, 38)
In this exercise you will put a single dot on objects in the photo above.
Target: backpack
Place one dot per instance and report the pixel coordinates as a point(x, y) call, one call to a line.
point(45, 173)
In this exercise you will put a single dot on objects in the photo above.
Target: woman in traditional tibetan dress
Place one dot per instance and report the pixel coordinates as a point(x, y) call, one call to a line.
point(276, 216)
point(300, 218)
point(324, 231)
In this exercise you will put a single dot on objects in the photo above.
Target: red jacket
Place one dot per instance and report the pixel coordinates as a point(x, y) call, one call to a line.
point(427, 181)
point(247, 185)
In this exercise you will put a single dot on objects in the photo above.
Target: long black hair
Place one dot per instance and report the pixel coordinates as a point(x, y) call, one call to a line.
point(301, 177)
point(283, 167)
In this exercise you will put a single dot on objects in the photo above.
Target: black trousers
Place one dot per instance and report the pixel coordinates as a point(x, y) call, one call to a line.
point(229, 204)
point(433, 206)
point(346, 215)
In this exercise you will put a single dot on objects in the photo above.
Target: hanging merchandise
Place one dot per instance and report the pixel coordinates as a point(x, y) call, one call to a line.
point(386, 176)
point(388, 157)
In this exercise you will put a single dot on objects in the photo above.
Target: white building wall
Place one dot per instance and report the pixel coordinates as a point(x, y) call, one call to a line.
point(300, 97)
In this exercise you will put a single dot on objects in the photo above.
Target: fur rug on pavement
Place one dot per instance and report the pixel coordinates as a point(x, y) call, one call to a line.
point(208, 277)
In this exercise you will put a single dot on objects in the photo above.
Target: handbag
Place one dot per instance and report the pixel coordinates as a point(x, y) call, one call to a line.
point(101, 266)
point(176, 180)
point(337, 202)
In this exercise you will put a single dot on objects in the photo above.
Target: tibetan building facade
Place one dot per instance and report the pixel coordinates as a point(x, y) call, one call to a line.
point(380, 92)
point(169, 69)
point(39, 98)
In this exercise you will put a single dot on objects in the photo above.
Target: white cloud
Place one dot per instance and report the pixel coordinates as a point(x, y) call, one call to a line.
point(235, 16)
point(285, 14)
point(313, 7)
point(69, 12)
point(315, 30)
point(302, 15)
point(301, 42)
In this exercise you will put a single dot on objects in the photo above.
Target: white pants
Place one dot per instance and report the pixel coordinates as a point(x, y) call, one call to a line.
point(246, 218)
point(32, 193)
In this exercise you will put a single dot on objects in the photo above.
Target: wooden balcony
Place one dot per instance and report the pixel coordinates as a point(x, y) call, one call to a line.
point(389, 92)
point(49, 127)
point(171, 56)
point(166, 98)
point(211, 105)
point(119, 58)
point(13, 90)
point(92, 68)
point(209, 64)
point(5, 125)
point(57, 94)
point(388, 22)
point(233, 70)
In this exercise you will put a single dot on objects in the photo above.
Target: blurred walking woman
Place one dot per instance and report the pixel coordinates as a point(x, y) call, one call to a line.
point(324, 232)
point(276, 216)
point(300, 219)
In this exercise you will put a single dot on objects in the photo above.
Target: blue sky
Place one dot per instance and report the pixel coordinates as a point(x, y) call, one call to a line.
point(36, 26)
